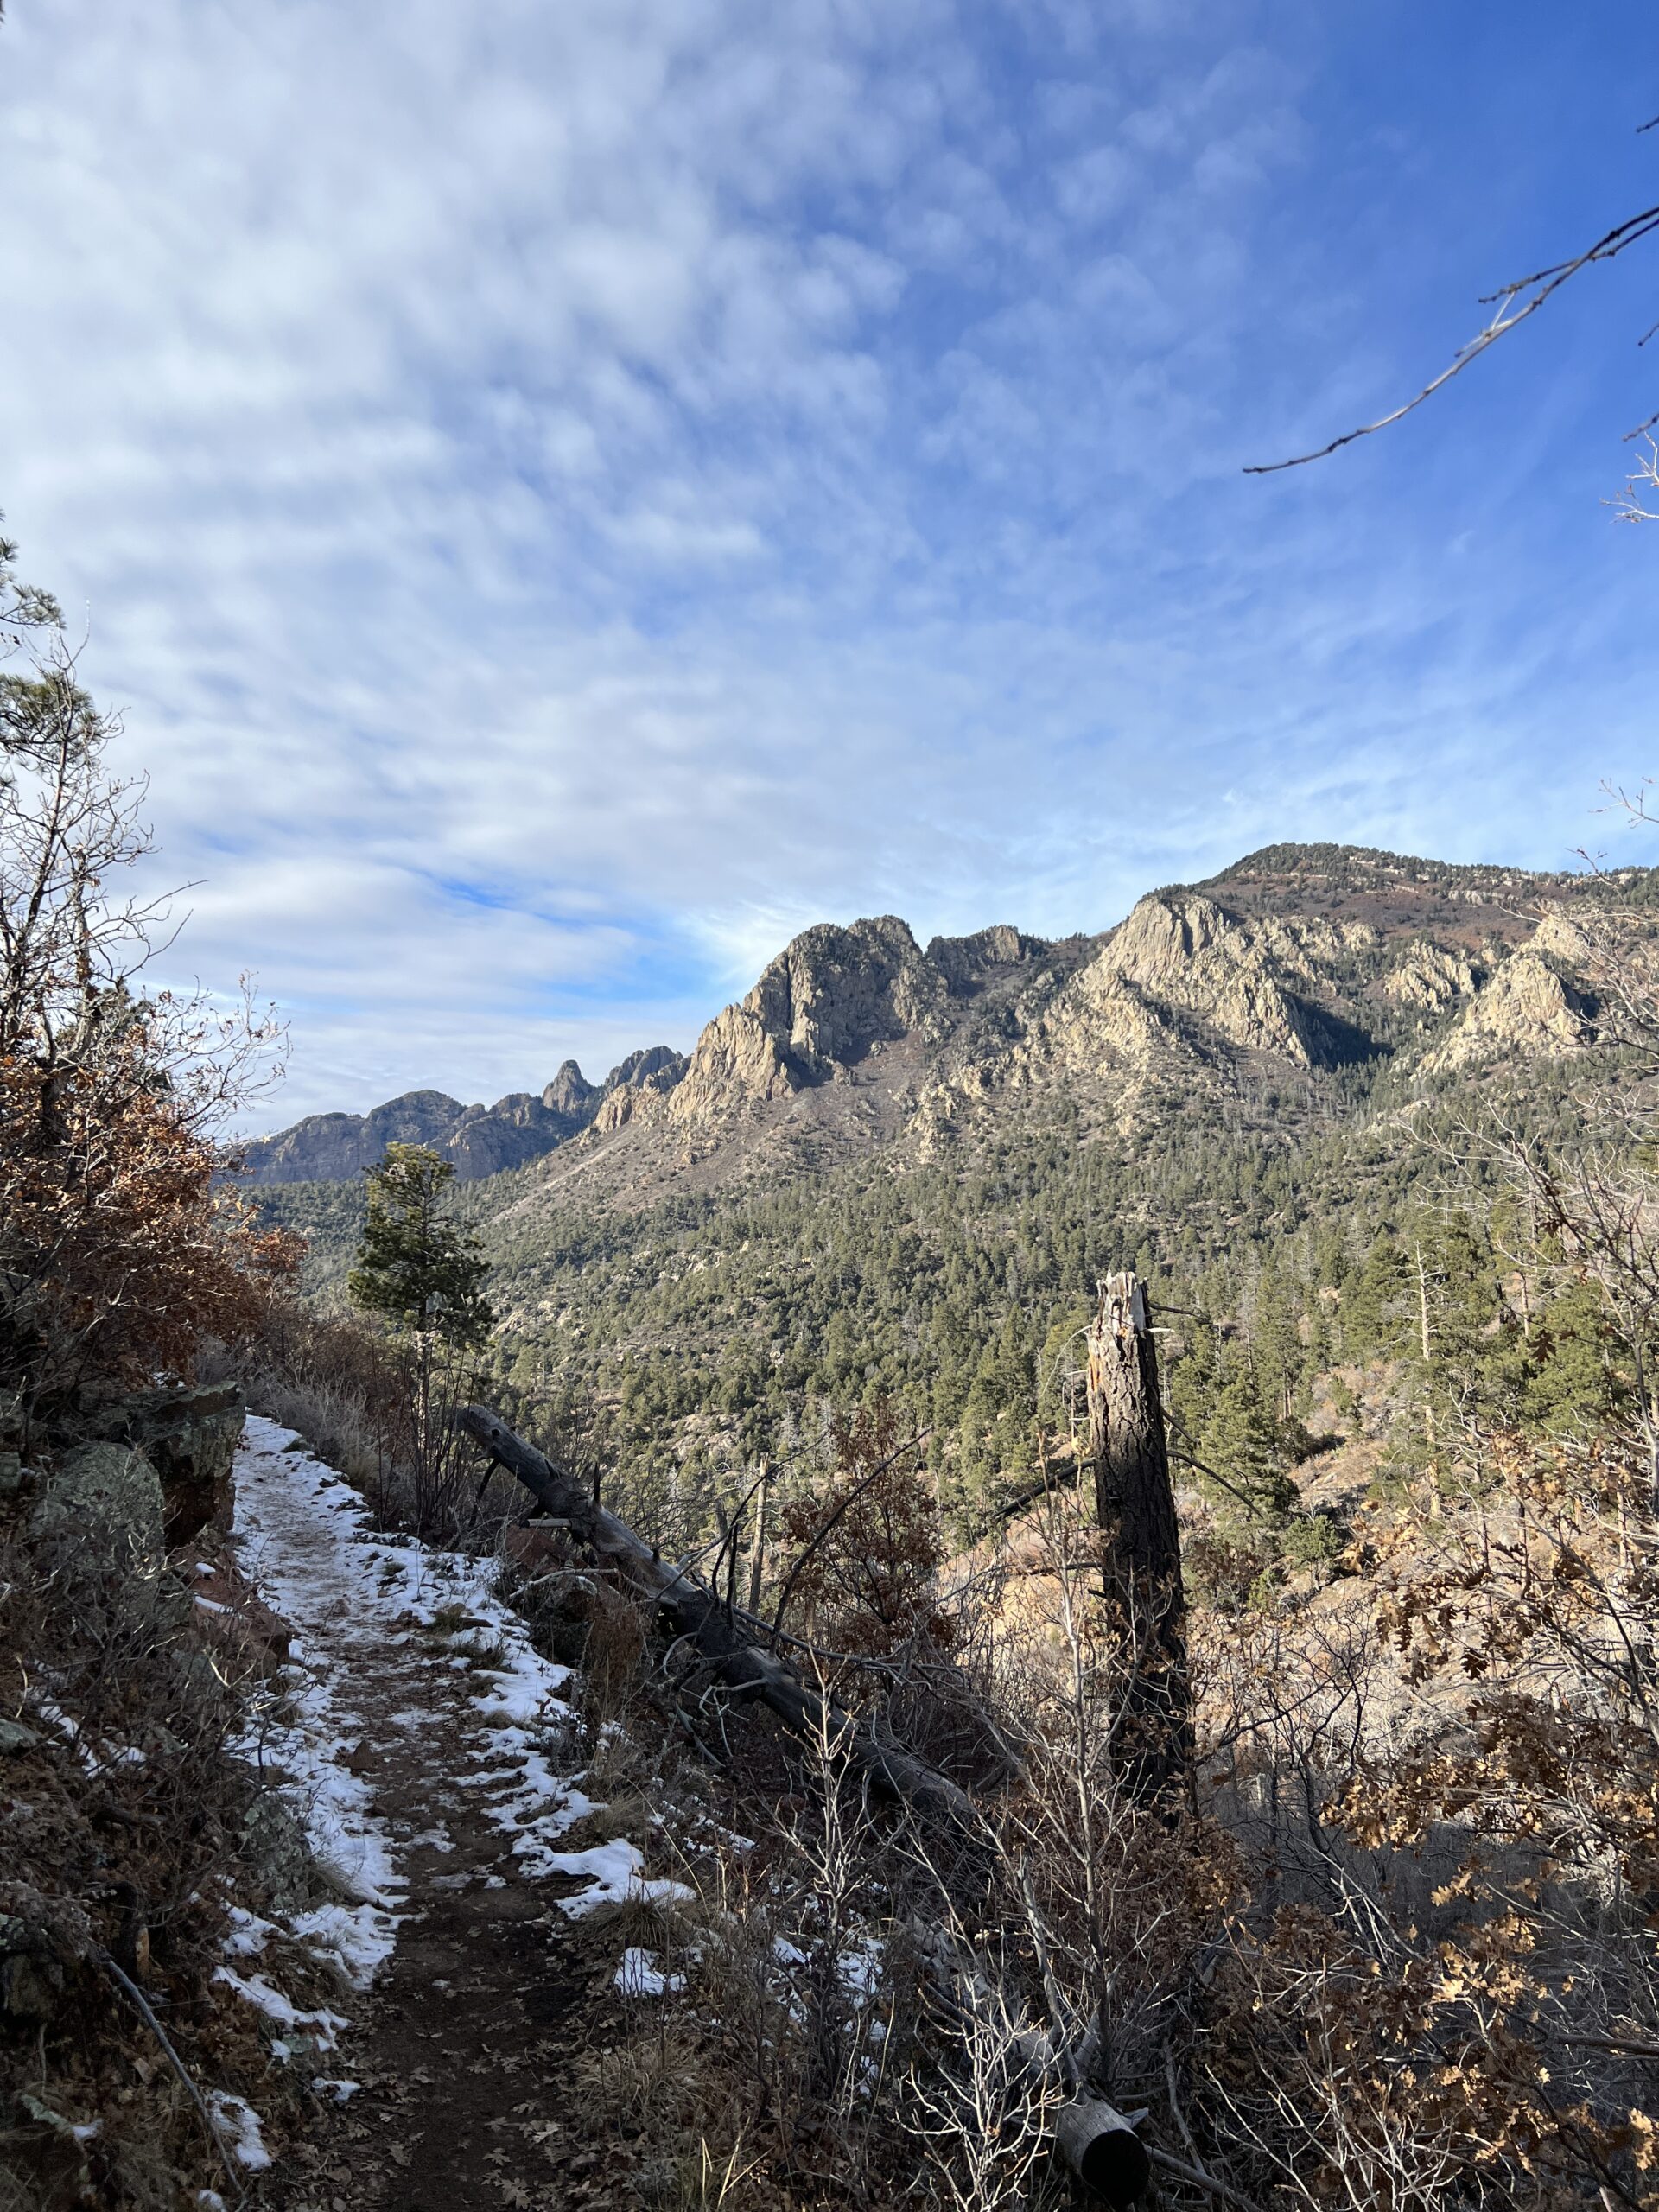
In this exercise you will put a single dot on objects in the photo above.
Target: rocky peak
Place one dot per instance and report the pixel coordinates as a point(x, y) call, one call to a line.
point(655, 1067)
point(519, 1109)
point(828, 997)
point(833, 993)
point(1528, 1008)
point(570, 1092)
point(327, 1147)
point(965, 962)
point(1183, 950)
point(1165, 934)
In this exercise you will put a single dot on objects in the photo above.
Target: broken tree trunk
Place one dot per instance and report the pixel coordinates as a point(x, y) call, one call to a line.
point(1097, 2141)
point(695, 1611)
point(1135, 1506)
point(1093, 2137)
point(757, 1556)
point(1101, 2148)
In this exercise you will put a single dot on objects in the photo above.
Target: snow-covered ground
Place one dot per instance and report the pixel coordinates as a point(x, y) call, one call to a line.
point(380, 1708)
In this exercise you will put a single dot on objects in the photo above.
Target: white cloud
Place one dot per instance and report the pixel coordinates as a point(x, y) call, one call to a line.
point(570, 494)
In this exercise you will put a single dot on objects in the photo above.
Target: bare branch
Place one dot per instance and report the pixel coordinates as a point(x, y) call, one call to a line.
point(1542, 284)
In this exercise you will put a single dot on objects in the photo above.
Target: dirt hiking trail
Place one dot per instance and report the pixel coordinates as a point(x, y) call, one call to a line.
point(430, 1762)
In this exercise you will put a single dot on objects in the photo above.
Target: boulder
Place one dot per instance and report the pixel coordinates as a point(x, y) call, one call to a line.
point(31, 1980)
point(275, 1849)
point(189, 1436)
point(106, 1497)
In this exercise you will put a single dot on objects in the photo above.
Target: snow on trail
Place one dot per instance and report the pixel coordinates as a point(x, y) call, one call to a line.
point(412, 1692)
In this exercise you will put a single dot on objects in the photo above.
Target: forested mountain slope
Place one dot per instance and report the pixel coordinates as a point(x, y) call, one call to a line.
point(892, 1172)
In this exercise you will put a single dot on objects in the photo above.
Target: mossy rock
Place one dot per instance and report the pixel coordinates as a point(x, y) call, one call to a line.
point(275, 1848)
point(189, 1434)
point(106, 1497)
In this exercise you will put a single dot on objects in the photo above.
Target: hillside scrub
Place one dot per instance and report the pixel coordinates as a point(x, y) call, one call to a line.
point(127, 1812)
point(120, 1247)
point(1397, 1952)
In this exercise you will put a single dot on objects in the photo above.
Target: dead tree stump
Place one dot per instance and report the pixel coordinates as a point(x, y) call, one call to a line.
point(1142, 1550)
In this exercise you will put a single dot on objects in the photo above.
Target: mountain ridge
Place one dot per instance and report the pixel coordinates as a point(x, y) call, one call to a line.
point(1298, 959)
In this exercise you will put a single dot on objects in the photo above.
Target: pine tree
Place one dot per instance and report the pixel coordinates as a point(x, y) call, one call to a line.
point(416, 1268)
point(419, 1271)
point(1378, 1305)
point(1245, 1449)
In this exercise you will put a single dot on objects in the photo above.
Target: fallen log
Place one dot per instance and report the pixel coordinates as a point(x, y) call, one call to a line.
point(1097, 2142)
point(1101, 2148)
point(694, 1612)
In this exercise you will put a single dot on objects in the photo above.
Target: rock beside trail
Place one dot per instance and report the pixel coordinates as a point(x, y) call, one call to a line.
point(105, 1497)
point(189, 1436)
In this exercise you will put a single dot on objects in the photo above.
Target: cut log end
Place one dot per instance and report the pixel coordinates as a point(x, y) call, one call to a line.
point(1104, 2151)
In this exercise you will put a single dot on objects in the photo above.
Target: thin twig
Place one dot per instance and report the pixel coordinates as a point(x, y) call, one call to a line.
point(125, 1982)
point(1198, 2179)
point(1548, 282)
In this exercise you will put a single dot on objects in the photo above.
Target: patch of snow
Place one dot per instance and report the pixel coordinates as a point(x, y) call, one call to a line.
point(859, 1968)
point(639, 1975)
point(338, 2091)
point(249, 1933)
point(614, 1873)
point(323, 2026)
point(239, 2124)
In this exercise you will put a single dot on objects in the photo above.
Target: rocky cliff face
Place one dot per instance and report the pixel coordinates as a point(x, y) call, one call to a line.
point(1185, 985)
point(1432, 979)
point(328, 1148)
point(1299, 961)
point(1528, 1009)
point(967, 963)
point(820, 1005)
point(570, 1093)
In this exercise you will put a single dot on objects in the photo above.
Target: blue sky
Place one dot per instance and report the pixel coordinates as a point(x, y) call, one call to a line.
point(567, 495)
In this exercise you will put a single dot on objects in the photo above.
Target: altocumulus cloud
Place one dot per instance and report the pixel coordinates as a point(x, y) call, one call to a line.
point(568, 495)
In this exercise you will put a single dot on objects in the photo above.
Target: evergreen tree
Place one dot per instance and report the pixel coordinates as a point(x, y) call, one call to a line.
point(415, 1268)
point(1377, 1303)
point(1246, 1448)
point(421, 1273)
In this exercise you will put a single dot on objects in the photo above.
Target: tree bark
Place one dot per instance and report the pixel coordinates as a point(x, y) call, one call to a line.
point(693, 1611)
point(1135, 1507)
point(757, 1556)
